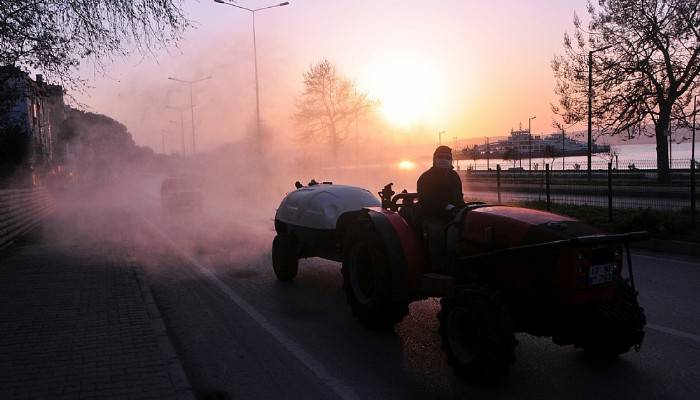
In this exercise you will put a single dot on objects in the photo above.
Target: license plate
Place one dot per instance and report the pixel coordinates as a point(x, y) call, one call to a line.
point(600, 274)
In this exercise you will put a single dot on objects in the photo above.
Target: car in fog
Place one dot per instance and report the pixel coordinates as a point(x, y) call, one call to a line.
point(180, 194)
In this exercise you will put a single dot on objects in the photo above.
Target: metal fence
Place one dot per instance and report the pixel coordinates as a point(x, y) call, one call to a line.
point(610, 188)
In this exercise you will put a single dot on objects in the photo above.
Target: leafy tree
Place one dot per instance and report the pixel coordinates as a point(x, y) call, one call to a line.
point(327, 106)
point(646, 61)
point(54, 36)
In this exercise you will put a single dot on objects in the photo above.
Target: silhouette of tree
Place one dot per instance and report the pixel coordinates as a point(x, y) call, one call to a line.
point(511, 154)
point(645, 68)
point(55, 36)
point(550, 153)
point(328, 105)
point(473, 152)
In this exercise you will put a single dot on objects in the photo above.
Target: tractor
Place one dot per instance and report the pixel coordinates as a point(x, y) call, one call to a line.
point(499, 270)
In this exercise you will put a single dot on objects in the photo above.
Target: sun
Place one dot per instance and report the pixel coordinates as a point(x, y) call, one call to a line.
point(406, 165)
point(410, 90)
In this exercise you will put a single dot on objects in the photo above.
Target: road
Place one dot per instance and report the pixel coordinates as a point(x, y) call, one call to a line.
point(240, 332)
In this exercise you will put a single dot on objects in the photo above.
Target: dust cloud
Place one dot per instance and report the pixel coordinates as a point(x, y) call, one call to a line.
point(115, 167)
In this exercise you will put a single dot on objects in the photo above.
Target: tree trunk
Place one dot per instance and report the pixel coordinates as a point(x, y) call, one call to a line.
point(334, 145)
point(662, 126)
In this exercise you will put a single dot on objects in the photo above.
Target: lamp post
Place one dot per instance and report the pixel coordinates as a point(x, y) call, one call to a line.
point(440, 137)
point(692, 166)
point(590, 105)
point(695, 110)
point(182, 127)
point(563, 149)
point(255, 61)
point(529, 140)
point(190, 83)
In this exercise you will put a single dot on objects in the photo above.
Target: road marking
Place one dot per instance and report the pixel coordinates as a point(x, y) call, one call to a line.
point(343, 391)
point(675, 332)
point(666, 259)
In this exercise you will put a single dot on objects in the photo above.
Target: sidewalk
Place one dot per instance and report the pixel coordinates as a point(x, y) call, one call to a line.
point(78, 324)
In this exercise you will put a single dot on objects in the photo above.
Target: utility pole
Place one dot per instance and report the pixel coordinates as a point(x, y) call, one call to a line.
point(190, 83)
point(440, 138)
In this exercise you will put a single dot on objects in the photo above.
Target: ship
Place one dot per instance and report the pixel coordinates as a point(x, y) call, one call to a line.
point(521, 144)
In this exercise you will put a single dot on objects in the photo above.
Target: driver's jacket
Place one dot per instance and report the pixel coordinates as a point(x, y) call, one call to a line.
point(438, 187)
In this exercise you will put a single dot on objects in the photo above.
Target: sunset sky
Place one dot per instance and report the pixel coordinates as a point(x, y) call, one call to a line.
point(471, 68)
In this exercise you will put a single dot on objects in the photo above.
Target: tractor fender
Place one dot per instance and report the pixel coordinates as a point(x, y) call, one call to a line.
point(402, 247)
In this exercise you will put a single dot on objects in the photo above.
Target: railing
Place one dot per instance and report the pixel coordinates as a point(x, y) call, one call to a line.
point(21, 211)
point(609, 188)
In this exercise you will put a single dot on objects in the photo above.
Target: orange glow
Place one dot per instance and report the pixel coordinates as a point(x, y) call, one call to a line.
point(411, 89)
point(407, 165)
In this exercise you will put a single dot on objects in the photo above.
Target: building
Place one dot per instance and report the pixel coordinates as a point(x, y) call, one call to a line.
point(31, 114)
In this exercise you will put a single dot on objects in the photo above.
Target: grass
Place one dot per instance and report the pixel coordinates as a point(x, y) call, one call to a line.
point(667, 225)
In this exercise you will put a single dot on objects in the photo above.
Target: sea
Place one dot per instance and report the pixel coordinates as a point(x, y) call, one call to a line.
point(625, 156)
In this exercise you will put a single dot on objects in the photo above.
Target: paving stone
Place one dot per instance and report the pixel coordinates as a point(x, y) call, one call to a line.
point(76, 324)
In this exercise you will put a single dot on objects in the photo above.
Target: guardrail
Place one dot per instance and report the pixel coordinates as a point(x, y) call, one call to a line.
point(21, 211)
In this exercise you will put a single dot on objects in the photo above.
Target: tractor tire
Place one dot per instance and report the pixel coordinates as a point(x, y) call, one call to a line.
point(285, 262)
point(615, 327)
point(477, 334)
point(367, 278)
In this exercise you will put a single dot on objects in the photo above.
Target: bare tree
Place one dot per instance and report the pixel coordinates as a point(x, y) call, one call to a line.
point(328, 105)
point(55, 36)
point(646, 61)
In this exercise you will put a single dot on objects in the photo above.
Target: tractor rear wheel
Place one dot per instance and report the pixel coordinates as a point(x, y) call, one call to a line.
point(477, 334)
point(367, 278)
point(615, 327)
point(285, 262)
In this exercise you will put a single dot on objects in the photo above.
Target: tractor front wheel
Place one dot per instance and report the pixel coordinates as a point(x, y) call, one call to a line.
point(477, 334)
point(284, 257)
point(367, 278)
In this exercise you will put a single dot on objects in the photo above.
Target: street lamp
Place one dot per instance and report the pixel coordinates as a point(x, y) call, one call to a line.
point(590, 105)
point(529, 139)
point(182, 127)
point(440, 137)
point(190, 83)
point(695, 110)
point(163, 134)
point(692, 165)
point(255, 59)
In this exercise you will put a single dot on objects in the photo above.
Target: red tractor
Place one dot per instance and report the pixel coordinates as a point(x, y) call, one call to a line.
point(498, 269)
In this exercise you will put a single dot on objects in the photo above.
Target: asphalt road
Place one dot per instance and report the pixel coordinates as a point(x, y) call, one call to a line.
point(241, 333)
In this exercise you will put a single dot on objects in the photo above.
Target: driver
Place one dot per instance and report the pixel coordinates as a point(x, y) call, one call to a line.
point(439, 188)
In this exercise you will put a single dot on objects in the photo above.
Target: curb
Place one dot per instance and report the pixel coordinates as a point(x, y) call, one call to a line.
point(176, 372)
point(670, 246)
